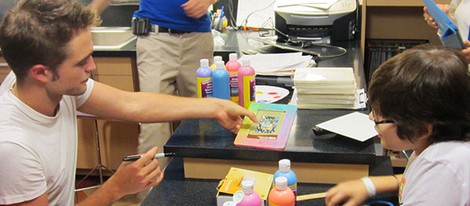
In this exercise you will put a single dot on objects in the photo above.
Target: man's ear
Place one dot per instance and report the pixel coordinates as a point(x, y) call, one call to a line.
point(40, 73)
point(430, 128)
point(428, 132)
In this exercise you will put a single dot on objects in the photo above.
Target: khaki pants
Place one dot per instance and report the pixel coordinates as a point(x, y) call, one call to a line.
point(167, 63)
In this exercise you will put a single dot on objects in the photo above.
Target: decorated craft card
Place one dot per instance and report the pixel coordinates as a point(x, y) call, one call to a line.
point(272, 130)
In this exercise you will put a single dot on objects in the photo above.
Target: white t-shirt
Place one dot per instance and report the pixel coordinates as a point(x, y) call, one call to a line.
point(38, 153)
point(440, 175)
point(461, 16)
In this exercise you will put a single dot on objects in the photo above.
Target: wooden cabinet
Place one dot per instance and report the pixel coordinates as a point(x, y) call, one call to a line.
point(117, 139)
point(396, 19)
point(4, 69)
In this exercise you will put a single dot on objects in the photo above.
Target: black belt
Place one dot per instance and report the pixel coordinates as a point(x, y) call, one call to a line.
point(170, 31)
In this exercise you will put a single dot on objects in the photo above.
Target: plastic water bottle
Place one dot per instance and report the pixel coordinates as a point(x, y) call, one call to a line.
point(204, 79)
point(281, 195)
point(216, 59)
point(285, 171)
point(251, 198)
point(220, 82)
point(246, 84)
point(232, 67)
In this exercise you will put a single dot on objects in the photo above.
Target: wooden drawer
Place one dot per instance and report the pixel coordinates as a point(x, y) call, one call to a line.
point(114, 66)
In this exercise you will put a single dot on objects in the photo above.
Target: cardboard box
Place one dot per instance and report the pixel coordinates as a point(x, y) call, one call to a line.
point(232, 183)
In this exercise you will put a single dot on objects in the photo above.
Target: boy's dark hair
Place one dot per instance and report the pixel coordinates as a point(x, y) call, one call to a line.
point(424, 85)
point(37, 32)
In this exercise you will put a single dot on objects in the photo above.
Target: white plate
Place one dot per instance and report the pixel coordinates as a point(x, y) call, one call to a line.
point(270, 94)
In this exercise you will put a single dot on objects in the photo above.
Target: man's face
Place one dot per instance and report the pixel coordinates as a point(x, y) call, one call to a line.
point(71, 76)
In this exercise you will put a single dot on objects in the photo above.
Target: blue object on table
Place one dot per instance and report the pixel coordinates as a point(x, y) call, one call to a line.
point(220, 82)
point(379, 202)
point(450, 36)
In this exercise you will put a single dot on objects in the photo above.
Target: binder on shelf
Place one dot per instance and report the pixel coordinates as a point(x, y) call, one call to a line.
point(380, 50)
point(449, 32)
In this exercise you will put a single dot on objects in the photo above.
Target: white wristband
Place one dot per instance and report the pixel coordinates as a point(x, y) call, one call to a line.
point(369, 186)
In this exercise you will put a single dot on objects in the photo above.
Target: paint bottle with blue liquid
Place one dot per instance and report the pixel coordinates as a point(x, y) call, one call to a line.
point(216, 59)
point(220, 81)
point(285, 171)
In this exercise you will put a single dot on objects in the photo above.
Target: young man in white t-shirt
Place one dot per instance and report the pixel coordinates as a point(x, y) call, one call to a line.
point(420, 101)
point(48, 45)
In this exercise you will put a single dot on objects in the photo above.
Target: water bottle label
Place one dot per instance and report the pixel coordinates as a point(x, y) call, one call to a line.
point(249, 90)
point(204, 87)
point(294, 188)
point(234, 88)
point(252, 89)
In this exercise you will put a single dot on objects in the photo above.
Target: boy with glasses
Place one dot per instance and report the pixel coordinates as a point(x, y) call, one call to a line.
point(420, 101)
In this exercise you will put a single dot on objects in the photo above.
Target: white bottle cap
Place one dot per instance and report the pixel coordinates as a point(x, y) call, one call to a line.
point(247, 186)
point(237, 197)
point(217, 58)
point(245, 62)
point(204, 62)
point(281, 183)
point(219, 65)
point(284, 165)
point(232, 57)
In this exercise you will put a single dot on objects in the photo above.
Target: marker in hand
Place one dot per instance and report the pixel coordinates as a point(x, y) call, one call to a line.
point(158, 155)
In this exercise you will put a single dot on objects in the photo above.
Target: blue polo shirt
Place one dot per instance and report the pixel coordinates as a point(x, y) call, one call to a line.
point(170, 14)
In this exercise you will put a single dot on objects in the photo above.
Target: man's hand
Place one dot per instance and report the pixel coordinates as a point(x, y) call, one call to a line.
point(466, 51)
point(428, 18)
point(229, 115)
point(197, 8)
point(133, 177)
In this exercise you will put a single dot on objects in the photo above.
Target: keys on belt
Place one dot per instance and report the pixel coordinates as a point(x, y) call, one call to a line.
point(142, 27)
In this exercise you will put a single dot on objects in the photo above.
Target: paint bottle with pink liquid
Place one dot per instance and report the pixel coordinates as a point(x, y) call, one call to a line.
point(232, 67)
point(251, 198)
point(246, 84)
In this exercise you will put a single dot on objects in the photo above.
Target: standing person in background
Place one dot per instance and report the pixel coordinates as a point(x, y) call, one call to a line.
point(420, 101)
point(48, 46)
point(168, 55)
point(458, 11)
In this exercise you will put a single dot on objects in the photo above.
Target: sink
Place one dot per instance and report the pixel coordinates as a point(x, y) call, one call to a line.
point(111, 38)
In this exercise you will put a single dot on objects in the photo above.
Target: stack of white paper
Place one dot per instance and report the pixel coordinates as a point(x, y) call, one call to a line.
point(327, 88)
point(278, 64)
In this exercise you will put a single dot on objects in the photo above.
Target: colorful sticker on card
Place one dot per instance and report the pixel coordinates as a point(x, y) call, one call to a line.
point(272, 130)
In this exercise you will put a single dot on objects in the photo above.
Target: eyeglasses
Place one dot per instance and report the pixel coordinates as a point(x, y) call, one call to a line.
point(385, 121)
